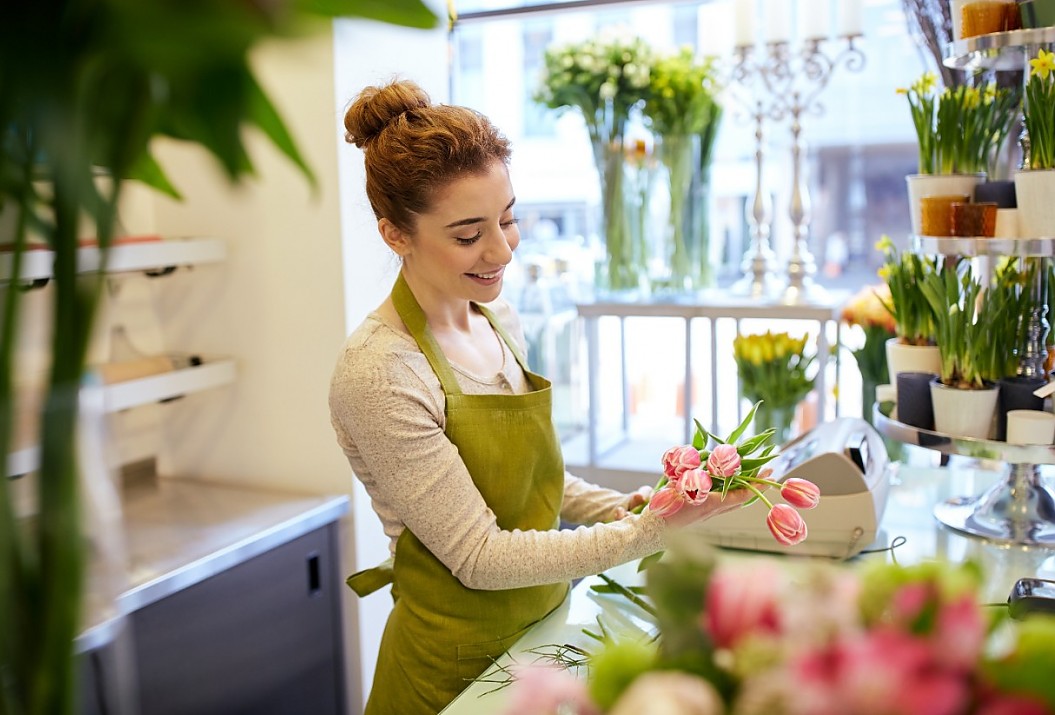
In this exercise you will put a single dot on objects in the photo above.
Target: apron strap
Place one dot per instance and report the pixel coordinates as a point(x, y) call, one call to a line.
point(505, 336)
point(414, 318)
point(367, 581)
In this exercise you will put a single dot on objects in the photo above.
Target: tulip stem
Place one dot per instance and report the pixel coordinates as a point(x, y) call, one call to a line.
point(758, 493)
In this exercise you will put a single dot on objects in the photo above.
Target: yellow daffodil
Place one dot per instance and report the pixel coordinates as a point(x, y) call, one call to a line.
point(1043, 64)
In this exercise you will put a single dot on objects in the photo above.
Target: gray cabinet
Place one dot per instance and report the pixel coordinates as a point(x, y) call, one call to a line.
point(262, 637)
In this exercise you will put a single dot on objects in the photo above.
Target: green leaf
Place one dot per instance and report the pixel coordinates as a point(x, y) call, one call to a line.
point(703, 435)
point(743, 425)
point(148, 171)
point(263, 114)
point(649, 560)
point(750, 445)
point(409, 13)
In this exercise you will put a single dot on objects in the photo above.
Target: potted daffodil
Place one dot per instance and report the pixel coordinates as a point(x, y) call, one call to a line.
point(1035, 185)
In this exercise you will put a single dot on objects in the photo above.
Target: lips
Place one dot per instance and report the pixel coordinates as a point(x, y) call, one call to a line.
point(486, 276)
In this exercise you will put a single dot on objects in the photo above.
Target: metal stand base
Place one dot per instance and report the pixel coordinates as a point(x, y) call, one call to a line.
point(1018, 510)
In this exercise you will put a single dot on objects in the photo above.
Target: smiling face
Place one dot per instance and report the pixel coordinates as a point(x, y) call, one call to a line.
point(461, 246)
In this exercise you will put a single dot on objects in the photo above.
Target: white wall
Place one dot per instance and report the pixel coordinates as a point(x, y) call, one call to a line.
point(276, 305)
point(369, 53)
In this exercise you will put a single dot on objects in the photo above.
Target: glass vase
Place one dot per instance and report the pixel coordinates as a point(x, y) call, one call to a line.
point(678, 157)
point(688, 237)
point(623, 268)
point(779, 418)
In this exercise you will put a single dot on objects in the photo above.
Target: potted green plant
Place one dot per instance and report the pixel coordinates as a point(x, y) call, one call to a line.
point(964, 395)
point(912, 349)
point(1035, 184)
point(1010, 301)
point(959, 132)
point(85, 86)
point(681, 107)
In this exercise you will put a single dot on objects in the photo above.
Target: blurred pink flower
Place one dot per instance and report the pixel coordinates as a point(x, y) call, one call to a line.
point(695, 486)
point(668, 501)
point(742, 602)
point(882, 672)
point(1012, 705)
point(678, 460)
point(801, 493)
point(724, 461)
point(786, 525)
point(548, 690)
point(960, 632)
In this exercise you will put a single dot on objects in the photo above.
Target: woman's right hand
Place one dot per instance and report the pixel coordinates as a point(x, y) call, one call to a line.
point(714, 506)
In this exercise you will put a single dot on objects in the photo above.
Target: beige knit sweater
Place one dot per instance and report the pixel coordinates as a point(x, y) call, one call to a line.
point(387, 408)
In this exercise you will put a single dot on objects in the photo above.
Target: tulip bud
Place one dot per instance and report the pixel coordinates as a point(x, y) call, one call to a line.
point(695, 485)
point(667, 502)
point(678, 460)
point(724, 461)
point(786, 525)
point(801, 493)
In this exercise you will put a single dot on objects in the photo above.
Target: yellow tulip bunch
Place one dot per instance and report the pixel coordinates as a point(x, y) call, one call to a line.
point(774, 368)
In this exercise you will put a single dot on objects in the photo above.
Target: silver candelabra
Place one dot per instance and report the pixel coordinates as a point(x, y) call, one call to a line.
point(791, 82)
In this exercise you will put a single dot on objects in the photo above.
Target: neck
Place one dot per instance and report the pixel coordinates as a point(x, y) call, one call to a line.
point(442, 313)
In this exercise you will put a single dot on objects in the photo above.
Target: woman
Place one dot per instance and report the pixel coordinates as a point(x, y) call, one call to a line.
point(446, 427)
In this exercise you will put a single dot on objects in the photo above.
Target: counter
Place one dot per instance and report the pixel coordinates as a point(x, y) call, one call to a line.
point(179, 532)
point(908, 514)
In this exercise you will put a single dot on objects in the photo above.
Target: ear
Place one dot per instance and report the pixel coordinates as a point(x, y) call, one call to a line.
point(394, 237)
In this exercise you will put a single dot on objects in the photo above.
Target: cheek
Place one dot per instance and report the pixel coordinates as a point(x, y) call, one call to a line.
point(513, 238)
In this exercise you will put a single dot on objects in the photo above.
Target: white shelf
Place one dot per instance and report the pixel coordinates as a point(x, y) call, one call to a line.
point(143, 256)
point(169, 385)
point(974, 246)
point(143, 391)
point(23, 461)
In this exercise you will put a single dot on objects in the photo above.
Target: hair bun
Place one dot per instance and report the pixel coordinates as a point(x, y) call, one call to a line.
point(375, 107)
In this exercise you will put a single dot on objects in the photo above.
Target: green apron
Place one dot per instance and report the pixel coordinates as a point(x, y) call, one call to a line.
point(440, 634)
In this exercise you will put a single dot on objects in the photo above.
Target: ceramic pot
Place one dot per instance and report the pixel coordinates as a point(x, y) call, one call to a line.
point(921, 185)
point(1001, 193)
point(902, 357)
point(914, 404)
point(1037, 13)
point(1035, 190)
point(963, 413)
point(1016, 393)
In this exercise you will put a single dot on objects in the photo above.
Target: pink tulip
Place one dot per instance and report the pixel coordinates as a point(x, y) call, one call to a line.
point(695, 485)
point(724, 461)
point(801, 493)
point(543, 690)
point(786, 524)
point(678, 460)
point(667, 502)
point(742, 602)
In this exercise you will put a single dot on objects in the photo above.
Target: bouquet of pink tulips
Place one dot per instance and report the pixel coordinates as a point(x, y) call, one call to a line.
point(692, 474)
point(765, 637)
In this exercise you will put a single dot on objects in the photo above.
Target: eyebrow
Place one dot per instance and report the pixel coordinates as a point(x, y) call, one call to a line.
point(470, 221)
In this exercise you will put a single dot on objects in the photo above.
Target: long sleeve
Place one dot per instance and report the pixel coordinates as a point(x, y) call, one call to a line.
point(387, 410)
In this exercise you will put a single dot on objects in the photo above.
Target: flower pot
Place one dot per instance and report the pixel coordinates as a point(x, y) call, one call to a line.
point(914, 405)
point(1000, 192)
point(1037, 13)
point(902, 357)
point(1035, 191)
point(1016, 393)
point(961, 412)
point(921, 185)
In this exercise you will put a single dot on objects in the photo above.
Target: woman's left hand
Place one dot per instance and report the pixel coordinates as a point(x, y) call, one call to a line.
point(634, 500)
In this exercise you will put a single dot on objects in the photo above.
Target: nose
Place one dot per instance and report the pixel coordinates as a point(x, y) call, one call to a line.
point(501, 245)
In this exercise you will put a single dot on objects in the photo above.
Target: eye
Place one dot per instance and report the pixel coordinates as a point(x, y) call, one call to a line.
point(468, 241)
point(510, 222)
